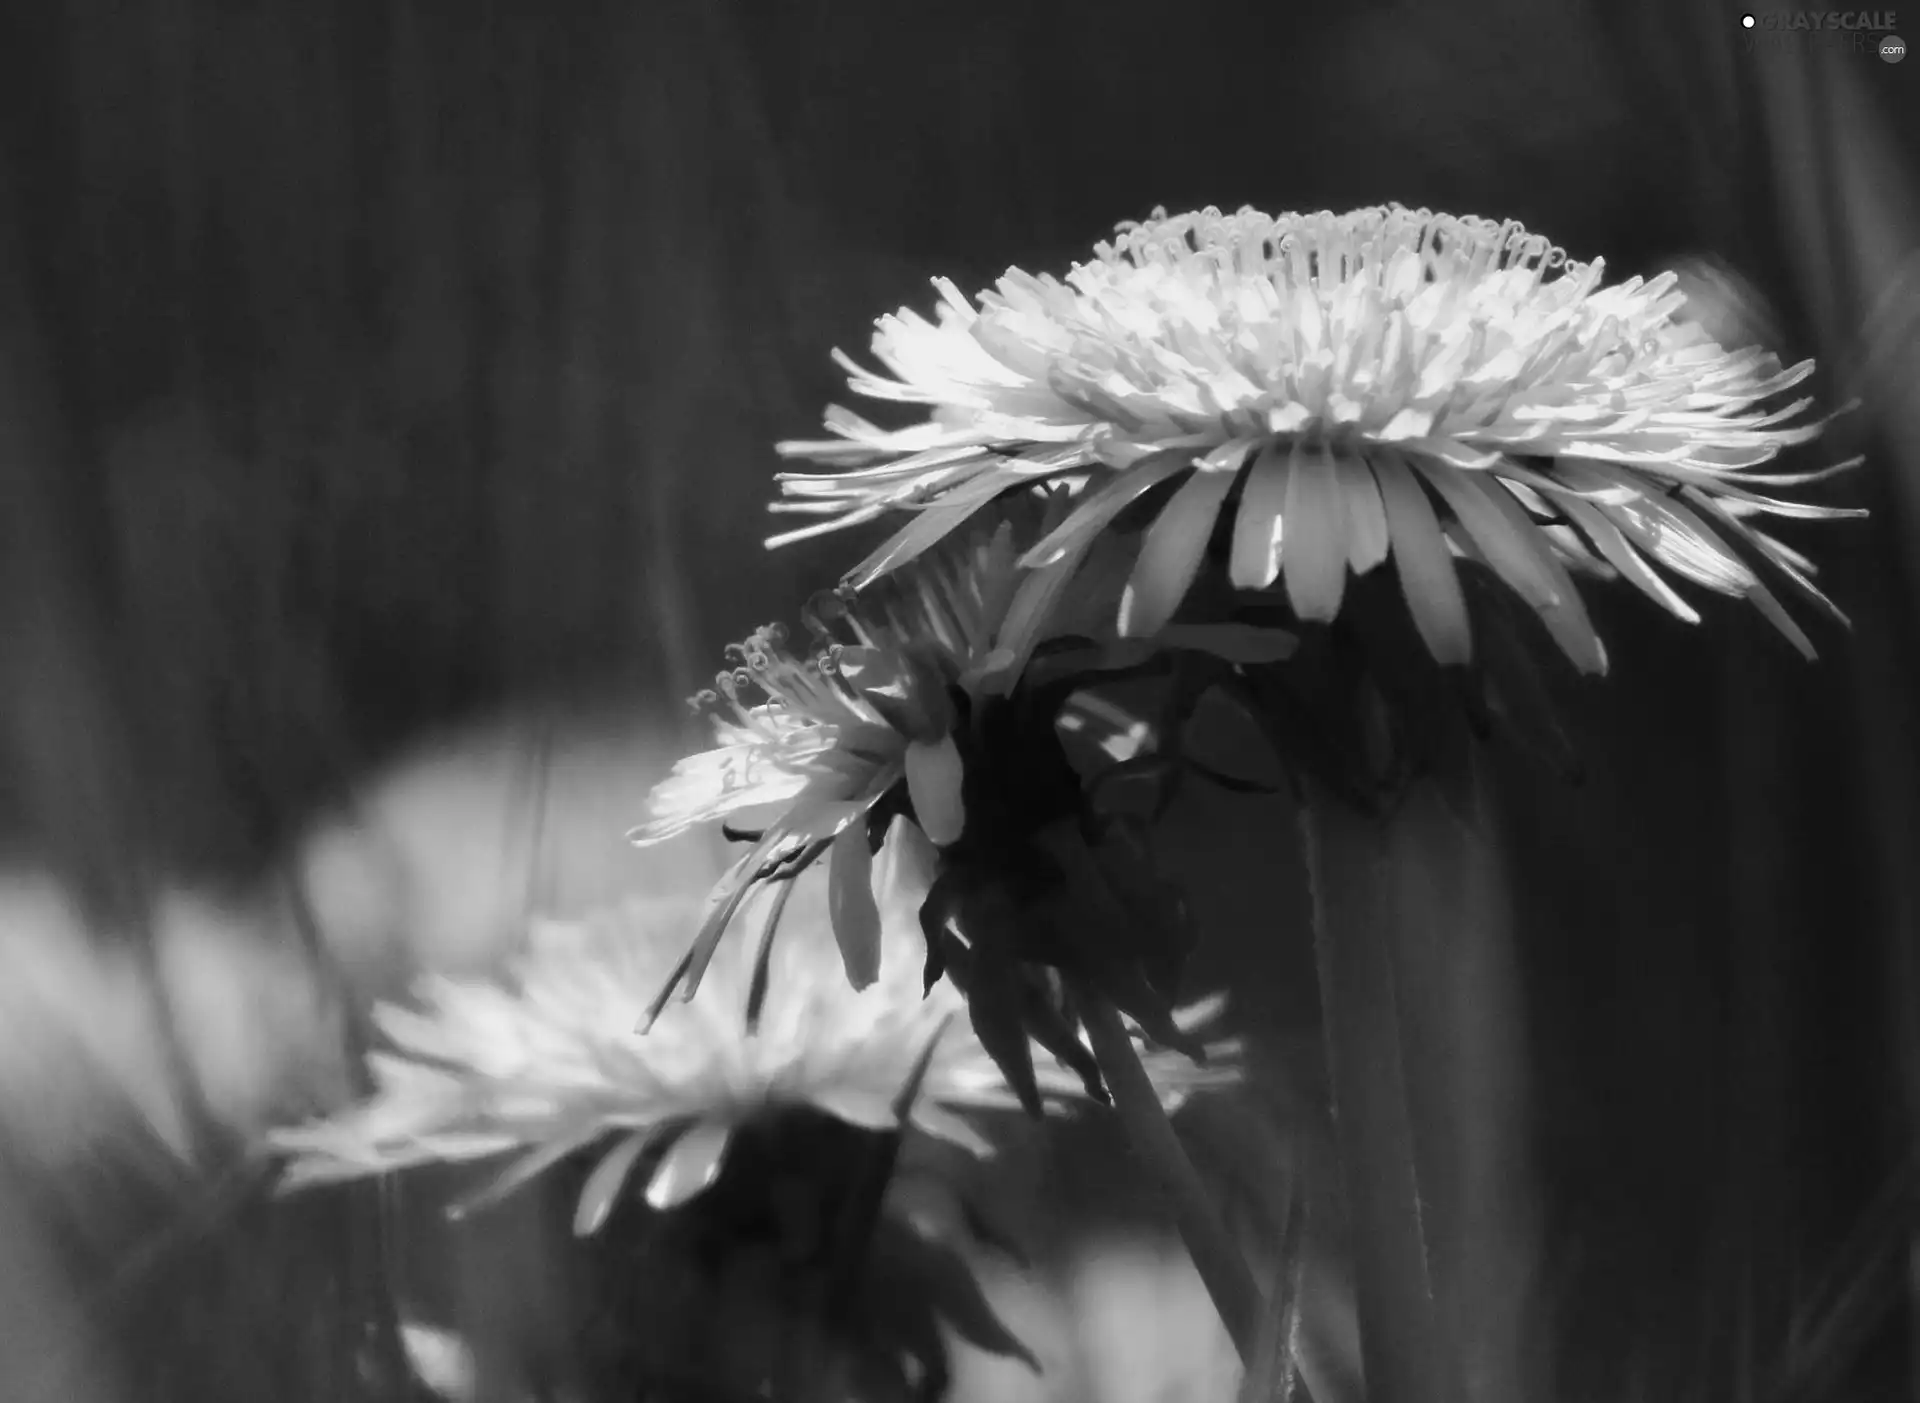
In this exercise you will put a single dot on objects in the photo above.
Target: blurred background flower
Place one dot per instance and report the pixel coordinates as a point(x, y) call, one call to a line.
point(768, 1111)
point(551, 1060)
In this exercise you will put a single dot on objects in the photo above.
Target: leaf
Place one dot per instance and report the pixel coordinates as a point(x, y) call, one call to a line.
point(944, 1276)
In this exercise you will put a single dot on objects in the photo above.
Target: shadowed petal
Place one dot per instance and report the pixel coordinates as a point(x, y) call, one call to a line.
point(955, 1129)
point(525, 1168)
point(1510, 548)
point(1258, 524)
point(850, 905)
point(1170, 557)
point(1566, 614)
point(929, 527)
point(1106, 502)
point(934, 776)
point(1315, 559)
point(1367, 540)
point(690, 1165)
point(1427, 577)
point(603, 1186)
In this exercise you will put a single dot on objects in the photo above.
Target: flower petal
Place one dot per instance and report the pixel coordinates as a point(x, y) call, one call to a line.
point(1787, 562)
point(867, 1107)
point(1613, 544)
point(905, 871)
point(1367, 539)
point(603, 1186)
point(850, 905)
point(1510, 548)
point(1171, 554)
point(1314, 559)
point(1036, 602)
point(994, 1000)
point(1427, 578)
point(1259, 522)
point(1763, 599)
point(1566, 614)
point(936, 1120)
point(1756, 591)
point(722, 905)
point(524, 1169)
point(935, 775)
point(1105, 502)
point(1684, 548)
point(690, 1165)
point(930, 526)
point(1573, 629)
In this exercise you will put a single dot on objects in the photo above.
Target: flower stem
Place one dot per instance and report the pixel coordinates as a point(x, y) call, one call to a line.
point(1355, 924)
point(1223, 1270)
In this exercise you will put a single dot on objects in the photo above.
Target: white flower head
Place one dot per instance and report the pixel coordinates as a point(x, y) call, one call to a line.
point(1318, 394)
point(818, 751)
point(550, 1061)
point(810, 744)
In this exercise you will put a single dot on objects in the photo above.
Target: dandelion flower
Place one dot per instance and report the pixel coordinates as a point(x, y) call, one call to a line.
point(818, 752)
point(1301, 398)
point(548, 1062)
point(783, 1127)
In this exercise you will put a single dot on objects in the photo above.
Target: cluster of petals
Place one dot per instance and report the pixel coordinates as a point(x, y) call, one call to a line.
point(548, 1062)
point(1338, 391)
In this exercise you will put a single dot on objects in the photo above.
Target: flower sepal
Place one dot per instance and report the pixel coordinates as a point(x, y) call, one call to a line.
point(1364, 709)
point(1027, 931)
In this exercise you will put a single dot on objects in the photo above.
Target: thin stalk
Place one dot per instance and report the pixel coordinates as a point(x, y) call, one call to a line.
point(1401, 1340)
point(1223, 1270)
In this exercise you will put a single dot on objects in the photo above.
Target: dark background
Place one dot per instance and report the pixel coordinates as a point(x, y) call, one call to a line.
point(365, 368)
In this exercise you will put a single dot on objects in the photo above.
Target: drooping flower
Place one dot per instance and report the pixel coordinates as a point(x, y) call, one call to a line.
point(811, 743)
point(1292, 401)
point(819, 752)
point(783, 1129)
